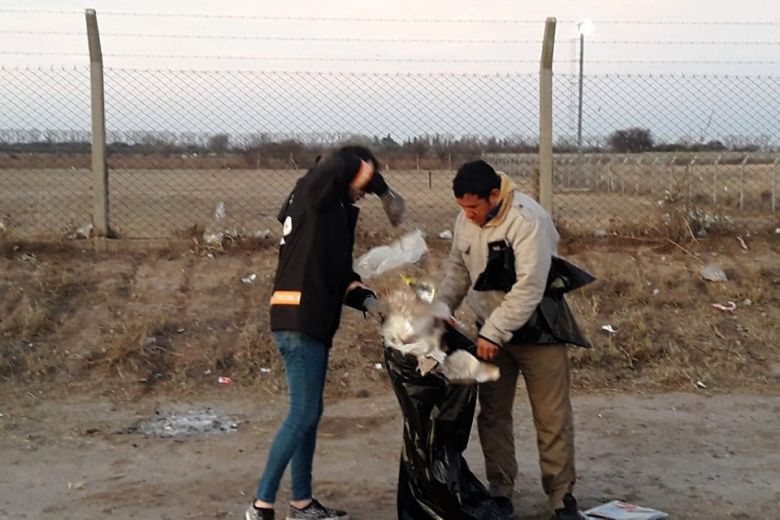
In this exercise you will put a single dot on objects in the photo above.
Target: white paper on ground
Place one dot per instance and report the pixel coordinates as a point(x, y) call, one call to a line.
point(617, 510)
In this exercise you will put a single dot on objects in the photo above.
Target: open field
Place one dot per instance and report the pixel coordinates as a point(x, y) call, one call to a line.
point(161, 203)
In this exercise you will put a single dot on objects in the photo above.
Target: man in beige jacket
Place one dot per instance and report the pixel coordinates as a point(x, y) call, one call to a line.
point(502, 250)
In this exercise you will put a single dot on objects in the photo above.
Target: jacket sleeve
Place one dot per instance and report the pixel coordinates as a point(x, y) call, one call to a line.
point(533, 255)
point(330, 179)
point(456, 282)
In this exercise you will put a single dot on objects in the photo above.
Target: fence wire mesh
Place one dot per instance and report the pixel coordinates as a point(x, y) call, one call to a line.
point(45, 186)
point(653, 145)
point(217, 151)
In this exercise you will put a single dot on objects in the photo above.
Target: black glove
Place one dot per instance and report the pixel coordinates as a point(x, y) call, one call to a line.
point(356, 298)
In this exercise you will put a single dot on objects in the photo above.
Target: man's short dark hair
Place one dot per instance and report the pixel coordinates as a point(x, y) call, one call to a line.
point(476, 178)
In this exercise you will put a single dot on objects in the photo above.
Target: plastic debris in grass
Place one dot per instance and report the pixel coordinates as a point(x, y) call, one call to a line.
point(728, 307)
point(446, 235)
point(609, 329)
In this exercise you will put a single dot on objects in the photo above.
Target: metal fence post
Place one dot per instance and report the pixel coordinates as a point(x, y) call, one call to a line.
point(545, 116)
point(637, 174)
point(610, 176)
point(688, 176)
point(715, 178)
point(100, 218)
point(742, 183)
point(625, 173)
point(774, 183)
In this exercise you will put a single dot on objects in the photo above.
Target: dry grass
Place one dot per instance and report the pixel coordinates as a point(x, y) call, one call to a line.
point(174, 322)
point(668, 335)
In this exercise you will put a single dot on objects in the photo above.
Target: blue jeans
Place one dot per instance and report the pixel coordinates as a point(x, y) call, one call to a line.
point(306, 364)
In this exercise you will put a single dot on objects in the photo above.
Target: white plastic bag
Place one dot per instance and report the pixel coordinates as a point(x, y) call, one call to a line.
point(406, 250)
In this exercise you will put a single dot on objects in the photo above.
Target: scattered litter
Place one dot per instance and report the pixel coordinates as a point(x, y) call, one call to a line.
point(446, 234)
point(600, 233)
point(713, 273)
point(180, 330)
point(742, 242)
point(777, 231)
point(2, 414)
point(213, 239)
point(222, 380)
point(609, 328)
point(747, 302)
point(378, 366)
point(249, 279)
point(701, 385)
point(207, 372)
point(75, 486)
point(617, 510)
point(262, 234)
point(219, 212)
point(2, 227)
point(84, 231)
point(265, 370)
point(656, 291)
point(728, 307)
point(192, 422)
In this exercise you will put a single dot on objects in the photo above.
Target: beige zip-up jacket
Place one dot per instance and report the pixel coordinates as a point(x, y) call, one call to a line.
point(530, 231)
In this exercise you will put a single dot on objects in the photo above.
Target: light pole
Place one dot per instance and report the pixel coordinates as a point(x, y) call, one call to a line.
point(585, 28)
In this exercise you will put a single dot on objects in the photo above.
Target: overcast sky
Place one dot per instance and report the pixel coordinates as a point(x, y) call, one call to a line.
point(183, 101)
point(600, 11)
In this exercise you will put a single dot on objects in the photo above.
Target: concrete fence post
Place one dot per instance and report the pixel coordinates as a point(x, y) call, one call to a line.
point(545, 182)
point(100, 215)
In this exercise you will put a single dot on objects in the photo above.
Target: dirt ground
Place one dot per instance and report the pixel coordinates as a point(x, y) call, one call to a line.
point(677, 411)
point(695, 456)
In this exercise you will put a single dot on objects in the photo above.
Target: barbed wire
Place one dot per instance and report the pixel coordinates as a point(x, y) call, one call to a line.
point(394, 20)
point(384, 40)
point(391, 60)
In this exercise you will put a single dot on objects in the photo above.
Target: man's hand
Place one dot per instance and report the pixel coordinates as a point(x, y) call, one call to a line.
point(486, 350)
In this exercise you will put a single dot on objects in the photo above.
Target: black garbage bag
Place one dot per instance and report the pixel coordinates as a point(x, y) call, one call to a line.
point(434, 481)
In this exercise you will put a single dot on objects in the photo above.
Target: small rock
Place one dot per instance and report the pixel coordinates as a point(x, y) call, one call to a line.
point(747, 302)
point(600, 233)
point(248, 280)
point(713, 273)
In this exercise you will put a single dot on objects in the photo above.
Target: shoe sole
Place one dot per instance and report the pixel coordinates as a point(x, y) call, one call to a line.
point(345, 517)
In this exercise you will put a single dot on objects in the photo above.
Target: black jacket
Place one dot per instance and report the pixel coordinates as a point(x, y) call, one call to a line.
point(315, 256)
point(552, 322)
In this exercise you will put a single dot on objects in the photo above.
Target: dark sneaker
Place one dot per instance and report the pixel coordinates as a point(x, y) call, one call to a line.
point(569, 511)
point(316, 511)
point(505, 507)
point(254, 513)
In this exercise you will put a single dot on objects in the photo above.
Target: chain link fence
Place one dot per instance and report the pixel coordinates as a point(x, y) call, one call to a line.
point(45, 179)
point(193, 152)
